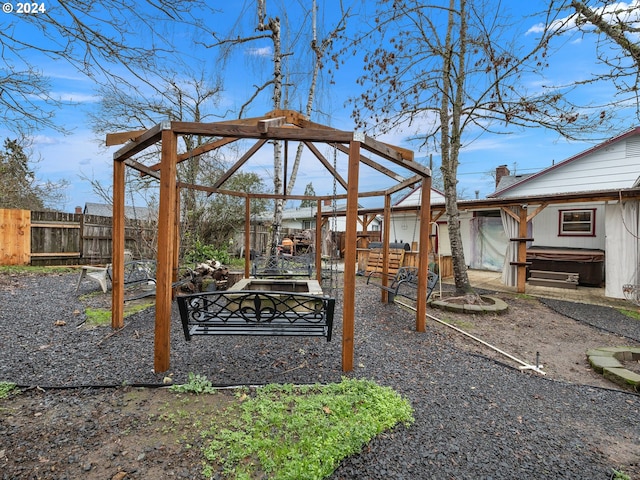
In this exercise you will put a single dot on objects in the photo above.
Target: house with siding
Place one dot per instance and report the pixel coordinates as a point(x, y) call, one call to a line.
point(405, 224)
point(602, 233)
point(304, 218)
point(583, 212)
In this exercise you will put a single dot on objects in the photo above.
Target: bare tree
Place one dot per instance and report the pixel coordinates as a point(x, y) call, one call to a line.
point(451, 71)
point(185, 96)
point(319, 49)
point(281, 82)
point(615, 24)
point(99, 39)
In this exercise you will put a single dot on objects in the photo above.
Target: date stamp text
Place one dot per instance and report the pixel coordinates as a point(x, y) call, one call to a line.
point(29, 8)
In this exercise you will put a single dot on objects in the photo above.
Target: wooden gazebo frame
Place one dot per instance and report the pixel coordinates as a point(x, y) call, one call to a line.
point(276, 125)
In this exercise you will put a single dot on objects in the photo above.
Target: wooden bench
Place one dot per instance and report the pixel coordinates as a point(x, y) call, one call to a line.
point(375, 264)
point(405, 283)
point(247, 312)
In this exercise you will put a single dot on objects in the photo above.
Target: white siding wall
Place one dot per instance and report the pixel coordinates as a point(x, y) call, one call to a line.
point(616, 166)
point(545, 228)
point(404, 225)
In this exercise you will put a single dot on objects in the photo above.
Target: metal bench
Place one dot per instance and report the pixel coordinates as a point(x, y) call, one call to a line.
point(247, 312)
point(135, 272)
point(405, 283)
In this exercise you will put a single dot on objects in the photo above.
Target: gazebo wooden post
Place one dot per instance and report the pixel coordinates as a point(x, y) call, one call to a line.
point(318, 240)
point(386, 235)
point(247, 236)
point(166, 247)
point(423, 255)
point(176, 243)
point(351, 238)
point(522, 250)
point(117, 247)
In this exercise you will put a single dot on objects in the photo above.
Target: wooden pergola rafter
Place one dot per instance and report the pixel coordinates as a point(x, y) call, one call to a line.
point(278, 125)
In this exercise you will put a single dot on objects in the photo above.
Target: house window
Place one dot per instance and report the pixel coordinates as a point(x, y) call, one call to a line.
point(575, 223)
point(308, 224)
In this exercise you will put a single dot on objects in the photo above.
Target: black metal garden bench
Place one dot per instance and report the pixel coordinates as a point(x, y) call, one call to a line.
point(405, 283)
point(245, 312)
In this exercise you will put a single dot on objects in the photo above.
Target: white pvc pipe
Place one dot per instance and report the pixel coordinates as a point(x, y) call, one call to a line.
point(528, 366)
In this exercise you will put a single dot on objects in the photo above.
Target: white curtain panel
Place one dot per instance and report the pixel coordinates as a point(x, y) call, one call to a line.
point(510, 224)
point(621, 247)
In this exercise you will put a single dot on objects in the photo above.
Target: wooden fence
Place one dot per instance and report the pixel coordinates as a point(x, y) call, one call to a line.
point(15, 237)
point(55, 238)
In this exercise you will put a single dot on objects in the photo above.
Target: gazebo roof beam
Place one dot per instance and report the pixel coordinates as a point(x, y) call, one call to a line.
point(326, 164)
point(409, 182)
point(373, 164)
point(249, 131)
point(148, 138)
point(248, 154)
point(385, 150)
point(207, 147)
point(119, 138)
point(143, 169)
point(264, 125)
point(396, 155)
point(271, 196)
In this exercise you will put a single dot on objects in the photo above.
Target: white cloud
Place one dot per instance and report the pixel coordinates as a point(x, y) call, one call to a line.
point(41, 140)
point(537, 28)
point(613, 13)
point(75, 97)
point(260, 52)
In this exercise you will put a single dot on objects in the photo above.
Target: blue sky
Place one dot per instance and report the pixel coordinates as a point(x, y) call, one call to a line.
point(79, 154)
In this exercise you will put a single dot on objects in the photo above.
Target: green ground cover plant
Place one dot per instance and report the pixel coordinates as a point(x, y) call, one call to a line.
point(635, 314)
point(293, 432)
point(96, 317)
point(6, 388)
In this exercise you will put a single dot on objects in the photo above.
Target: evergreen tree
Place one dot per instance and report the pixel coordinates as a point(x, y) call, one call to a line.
point(17, 180)
point(308, 190)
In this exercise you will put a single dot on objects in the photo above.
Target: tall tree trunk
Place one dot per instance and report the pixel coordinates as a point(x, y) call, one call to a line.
point(452, 101)
point(273, 25)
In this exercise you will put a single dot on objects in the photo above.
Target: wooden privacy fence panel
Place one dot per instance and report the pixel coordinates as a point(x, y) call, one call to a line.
point(15, 237)
point(55, 238)
point(140, 239)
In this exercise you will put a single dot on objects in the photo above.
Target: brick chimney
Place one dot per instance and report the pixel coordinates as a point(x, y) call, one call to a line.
point(79, 210)
point(501, 171)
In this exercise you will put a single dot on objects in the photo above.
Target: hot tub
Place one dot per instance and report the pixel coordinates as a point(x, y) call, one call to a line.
point(588, 263)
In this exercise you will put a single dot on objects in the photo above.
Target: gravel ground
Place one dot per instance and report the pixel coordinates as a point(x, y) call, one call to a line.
point(474, 418)
point(604, 318)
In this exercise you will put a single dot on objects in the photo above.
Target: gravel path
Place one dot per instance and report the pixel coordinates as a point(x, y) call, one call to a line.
point(474, 418)
point(604, 318)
